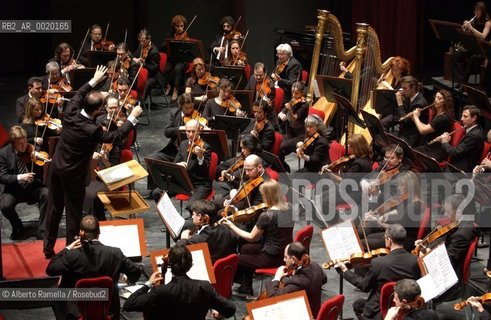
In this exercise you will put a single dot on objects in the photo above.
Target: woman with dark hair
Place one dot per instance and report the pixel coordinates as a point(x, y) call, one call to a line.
point(182, 297)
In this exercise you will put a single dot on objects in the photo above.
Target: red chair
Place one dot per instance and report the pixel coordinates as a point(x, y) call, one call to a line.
point(163, 61)
point(336, 151)
point(485, 150)
point(305, 77)
point(331, 308)
point(424, 223)
point(4, 136)
point(211, 171)
point(466, 270)
point(224, 270)
point(95, 310)
point(272, 174)
point(386, 297)
point(278, 139)
point(248, 71)
point(141, 83)
point(458, 134)
point(320, 113)
point(278, 99)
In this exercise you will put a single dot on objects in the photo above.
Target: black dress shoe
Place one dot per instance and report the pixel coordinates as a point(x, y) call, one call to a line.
point(17, 232)
point(49, 254)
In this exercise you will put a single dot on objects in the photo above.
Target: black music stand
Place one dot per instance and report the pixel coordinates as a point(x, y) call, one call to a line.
point(97, 58)
point(329, 85)
point(169, 176)
point(349, 116)
point(233, 126)
point(217, 139)
point(384, 101)
point(275, 163)
point(79, 77)
point(375, 128)
point(479, 99)
point(236, 75)
point(245, 98)
point(184, 50)
point(447, 31)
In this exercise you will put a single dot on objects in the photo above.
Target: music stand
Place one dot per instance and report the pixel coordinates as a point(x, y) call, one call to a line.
point(233, 126)
point(217, 139)
point(349, 116)
point(184, 50)
point(445, 30)
point(245, 97)
point(479, 99)
point(375, 128)
point(329, 85)
point(275, 163)
point(79, 77)
point(97, 58)
point(410, 153)
point(469, 41)
point(384, 101)
point(236, 75)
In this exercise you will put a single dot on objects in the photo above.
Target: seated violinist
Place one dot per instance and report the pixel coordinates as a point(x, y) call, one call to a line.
point(262, 84)
point(124, 95)
point(408, 303)
point(477, 304)
point(21, 185)
point(274, 227)
point(54, 86)
point(287, 71)
point(195, 155)
point(261, 127)
point(298, 273)
point(237, 57)
point(220, 240)
point(39, 125)
point(200, 82)
point(94, 42)
point(64, 56)
point(147, 54)
point(125, 59)
point(110, 84)
point(398, 264)
point(219, 47)
point(34, 90)
point(224, 104)
point(461, 231)
point(175, 69)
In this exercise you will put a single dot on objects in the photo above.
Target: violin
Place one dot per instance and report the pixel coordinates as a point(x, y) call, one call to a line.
point(338, 164)
point(306, 143)
point(263, 88)
point(144, 52)
point(245, 189)
point(208, 80)
point(382, 178)
point(182, 36)
point(240, 216)
point(31, 155)
point(198, 142)
point(103, 45)
point(280, 67)
point(258, 127)
point(484, 298)
point(359, 258)
point(434, 235)
point(390, 204)
point(238, 164)
point(52, 123)
point(231, 104)
point(197, 116)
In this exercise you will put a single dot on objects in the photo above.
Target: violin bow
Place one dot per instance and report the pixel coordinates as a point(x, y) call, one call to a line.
point(192, 143)
point(189, 25)
point(386, 162)
point(81, 44)
point(233, 93)
point(241, 46)
point(105, 37)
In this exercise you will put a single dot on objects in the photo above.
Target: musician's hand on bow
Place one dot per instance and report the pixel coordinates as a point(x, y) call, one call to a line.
point(275, 77)
point(26, 177)
point(38, 141)
point(97, 155)
point(182, 163)
point(370, 216)
point(240, 113)
point(100, 73)
point(445, 138)
point(282, 116)
point(299, 152)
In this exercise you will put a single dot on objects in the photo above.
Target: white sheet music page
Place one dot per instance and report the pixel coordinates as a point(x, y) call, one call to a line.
point(117, 173)
point(290, 309)
point(441, 274)
point(197, 272)
point(341, 241)
point(124, 237)
point(169, 214)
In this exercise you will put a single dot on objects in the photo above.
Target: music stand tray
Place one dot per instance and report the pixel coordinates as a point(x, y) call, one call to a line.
point(375, 128)
point(421, 162)
point(469, 41)
point(184, 50)
point(169, 176)
point(217, 139)
point(329, 85)
point(384, 101)
point(445, 30)
point(97, 58)
point(122, 202)
point(236, 75)
point(232, 125)
point(349, 111)
point(479, 99)
point(79, 77)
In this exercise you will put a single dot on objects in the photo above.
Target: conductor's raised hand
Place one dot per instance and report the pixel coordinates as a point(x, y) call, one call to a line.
point(100, 73)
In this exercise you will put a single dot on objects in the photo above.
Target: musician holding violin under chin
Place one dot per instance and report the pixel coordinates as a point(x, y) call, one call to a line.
point(34, 90)
point(200, 82)
point(21, 185)
point(261, 127)
point(224, 104)
point(39, 125)
point(288, 70)
point(409, 304)
point(262, 85)
point(95, 42)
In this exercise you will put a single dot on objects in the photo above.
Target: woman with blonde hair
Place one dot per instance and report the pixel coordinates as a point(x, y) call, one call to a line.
point(274, 227)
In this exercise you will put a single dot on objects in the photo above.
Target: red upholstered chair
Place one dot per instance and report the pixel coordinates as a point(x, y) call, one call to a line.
point(141, 83)
point(466, 270)
point(211, 171)
point(386, 297)
point(318, 112)
point(95, 310)
point(272, 174)
point(305, 77)
point(163, 61)
point(457, 136)
point(279, 94)
point(278, 139)
point(424, 223)
point(4, 136)
point(485, 150)
point(224, 270)
point(331, 308)
point(248, 71)
point(336, 151)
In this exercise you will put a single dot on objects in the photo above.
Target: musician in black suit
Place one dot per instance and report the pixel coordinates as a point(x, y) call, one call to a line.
point(70, 167)
point(182, 297)
point(219, 48)
point(86, 257)
point(20, 184)
point(261, 76)
point(288, 70)
point(93, 43)
point(147, 54)
point(262, 128)
point(34, 90)
point(398, 264)
point(467, 153)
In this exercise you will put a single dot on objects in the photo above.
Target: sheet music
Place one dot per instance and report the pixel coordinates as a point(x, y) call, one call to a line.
point(441, 274)
point(294, 309)
point(341, 241)
point(174, 221)
point(116, 173)
point(124, 237)
point(197, 272)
